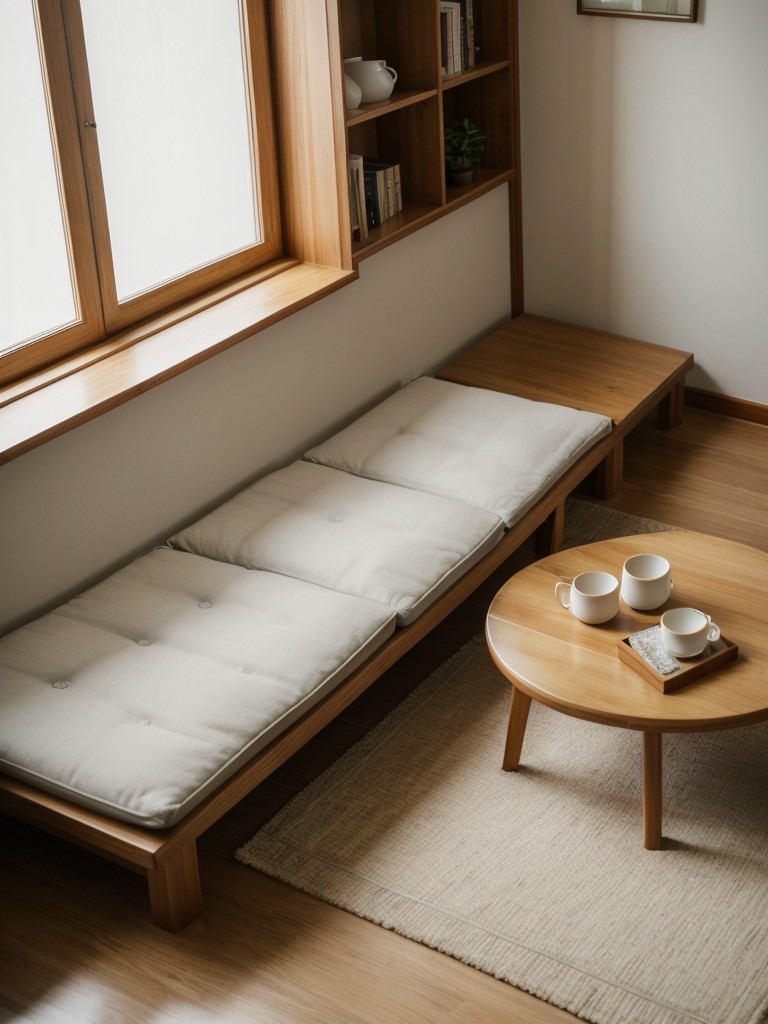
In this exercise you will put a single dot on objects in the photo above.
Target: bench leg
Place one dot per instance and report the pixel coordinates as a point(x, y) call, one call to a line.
point(670, 412)
point(610, 472)
point(549, 536)
point(174, 889)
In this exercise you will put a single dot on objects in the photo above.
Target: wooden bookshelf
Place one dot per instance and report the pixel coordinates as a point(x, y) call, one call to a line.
point(408, 128)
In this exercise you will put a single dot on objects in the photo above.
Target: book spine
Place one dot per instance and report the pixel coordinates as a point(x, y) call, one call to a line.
point(354, 214)
point(387, 173)
point(450, 65)
point(356, 168)
point(384, 178)
point(463, 33)
point(443, 42)
point(389, 181)
point(398, 190)
point(468, 24)
point(381, 186)
point(456, 15)
point(372, 199)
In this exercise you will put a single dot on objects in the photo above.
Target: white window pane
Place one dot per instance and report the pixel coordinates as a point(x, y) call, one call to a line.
point(36, 290)
point(170, 104)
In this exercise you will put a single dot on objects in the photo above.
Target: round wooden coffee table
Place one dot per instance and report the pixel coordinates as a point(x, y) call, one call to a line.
point(551, 657)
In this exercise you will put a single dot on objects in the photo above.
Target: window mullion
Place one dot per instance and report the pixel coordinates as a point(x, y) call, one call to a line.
point(260, 101)
point(89, 147)
point(89, 325)
point(62, 104)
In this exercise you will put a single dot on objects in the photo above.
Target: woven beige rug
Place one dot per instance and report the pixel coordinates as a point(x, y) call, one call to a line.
point(540, 877)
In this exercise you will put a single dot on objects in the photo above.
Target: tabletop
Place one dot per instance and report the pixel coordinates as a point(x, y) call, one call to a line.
point(575, 668)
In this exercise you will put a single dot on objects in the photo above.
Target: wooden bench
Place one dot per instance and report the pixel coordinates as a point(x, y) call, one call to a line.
point(529, 357)
point(549, 361)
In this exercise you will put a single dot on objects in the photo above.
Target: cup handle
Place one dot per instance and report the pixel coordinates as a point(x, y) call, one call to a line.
point(563, 594)
point(713, 633)
point(671, 586)
point(392, 72)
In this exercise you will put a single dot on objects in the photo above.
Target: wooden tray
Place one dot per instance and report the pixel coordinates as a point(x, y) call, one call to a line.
point(717, 654)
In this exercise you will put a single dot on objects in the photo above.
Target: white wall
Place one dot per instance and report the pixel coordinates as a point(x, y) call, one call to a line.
point(645, 184)
point(77, 507)
point(645, 180)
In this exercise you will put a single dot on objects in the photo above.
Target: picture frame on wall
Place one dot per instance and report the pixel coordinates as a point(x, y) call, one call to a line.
point(654, 10)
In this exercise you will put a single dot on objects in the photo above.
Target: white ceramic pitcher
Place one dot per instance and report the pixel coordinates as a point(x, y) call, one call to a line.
point(375, 78)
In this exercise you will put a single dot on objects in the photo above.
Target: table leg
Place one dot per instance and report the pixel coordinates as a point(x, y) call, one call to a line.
point(518, 719)
point(652, 790)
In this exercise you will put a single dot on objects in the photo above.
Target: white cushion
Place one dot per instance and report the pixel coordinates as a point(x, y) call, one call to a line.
point(142, 695)
point(482, 447)
point(390, 544)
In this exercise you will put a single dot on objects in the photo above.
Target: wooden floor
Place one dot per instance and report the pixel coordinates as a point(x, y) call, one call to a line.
point(76, 943)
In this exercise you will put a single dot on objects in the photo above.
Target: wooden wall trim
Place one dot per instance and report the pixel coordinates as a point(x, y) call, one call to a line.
point(724, 405)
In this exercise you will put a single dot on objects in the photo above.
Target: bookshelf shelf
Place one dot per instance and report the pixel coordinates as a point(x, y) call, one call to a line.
point(398, 101)
point(478, 71)
point(487, 179)
point(415, 216)
point(408, 127)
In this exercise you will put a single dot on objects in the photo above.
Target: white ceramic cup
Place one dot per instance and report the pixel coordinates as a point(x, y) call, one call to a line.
point(685, 632)
point(646, 581)
point(592, 597)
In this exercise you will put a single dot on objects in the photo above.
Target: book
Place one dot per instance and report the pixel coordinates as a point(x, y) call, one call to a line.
point(444, 42)
point(372, 209)
point(468, 25)
point(387, 175)
point(354, 213)
point(446, 19)
point(453, 42)
point(398, 191)
point(357, 196)
point(376, 175)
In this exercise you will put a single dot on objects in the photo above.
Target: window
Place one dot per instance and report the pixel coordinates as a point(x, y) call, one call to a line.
point(137, 169)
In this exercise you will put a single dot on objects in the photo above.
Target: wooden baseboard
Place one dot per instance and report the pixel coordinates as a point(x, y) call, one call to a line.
point(738, 408)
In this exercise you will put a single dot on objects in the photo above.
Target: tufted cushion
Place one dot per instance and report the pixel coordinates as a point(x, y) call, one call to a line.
point(400, 547)
point(142, 695)
point(493, 450)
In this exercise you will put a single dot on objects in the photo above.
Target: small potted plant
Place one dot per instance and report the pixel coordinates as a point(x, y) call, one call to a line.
point(464, 148)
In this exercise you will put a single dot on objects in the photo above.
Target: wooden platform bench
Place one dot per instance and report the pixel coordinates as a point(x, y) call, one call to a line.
point(139, 713)
point(549, 361)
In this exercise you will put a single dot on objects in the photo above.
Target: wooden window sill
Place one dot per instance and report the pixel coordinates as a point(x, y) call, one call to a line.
point(80, 389)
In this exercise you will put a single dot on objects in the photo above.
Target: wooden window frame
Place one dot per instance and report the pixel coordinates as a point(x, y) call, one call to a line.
point(67, 86)
point(308, 110)
point(89, 327)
